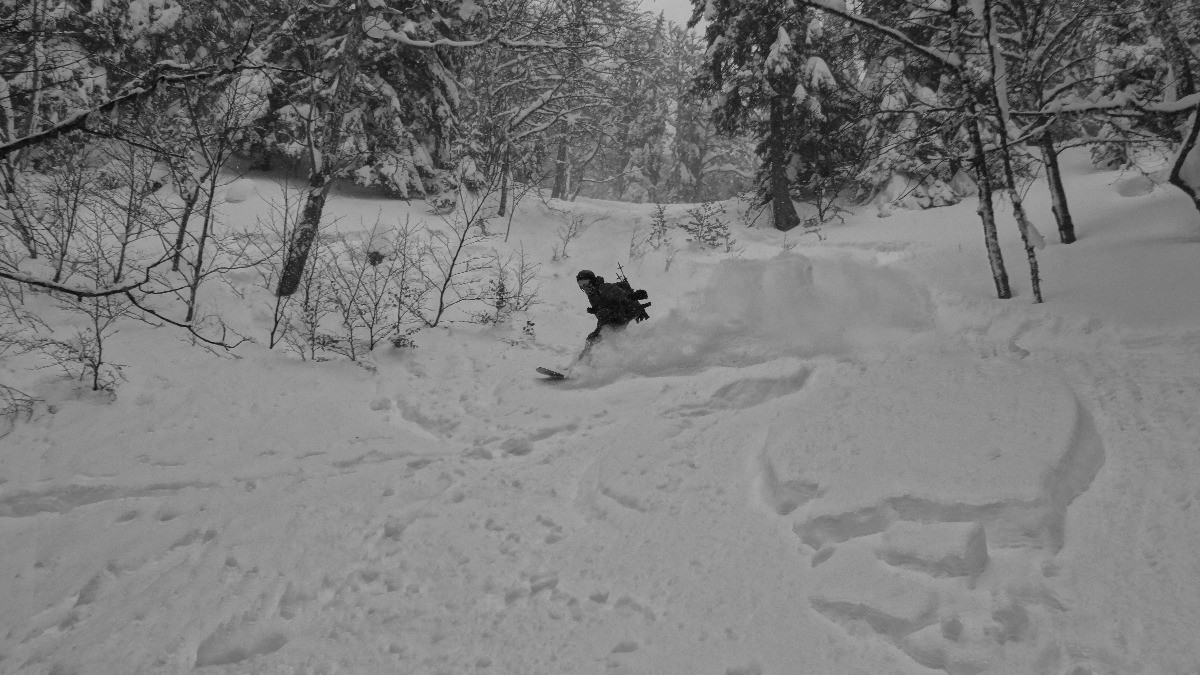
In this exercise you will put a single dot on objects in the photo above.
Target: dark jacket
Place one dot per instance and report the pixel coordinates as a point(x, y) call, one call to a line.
point(613, 304)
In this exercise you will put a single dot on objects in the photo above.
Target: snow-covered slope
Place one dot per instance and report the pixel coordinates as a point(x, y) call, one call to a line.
point(845, 457)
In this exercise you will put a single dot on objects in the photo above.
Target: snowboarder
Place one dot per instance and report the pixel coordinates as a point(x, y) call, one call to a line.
point(614, 305)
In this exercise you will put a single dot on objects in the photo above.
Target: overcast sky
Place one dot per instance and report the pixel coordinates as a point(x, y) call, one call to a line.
point(676, 10)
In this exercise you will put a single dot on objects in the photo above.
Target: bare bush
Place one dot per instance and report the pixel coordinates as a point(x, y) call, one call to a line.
point(638, 243)
point(672, 254)
point(308, 308)
point(659, 227)
point(71, 195)
point(128, 174)
point(265, 244)
point(82, 357)
point(357, 293)
point(513, 287)
point(408, 283)
point(573, 227)
point(372, 285)
point(16, 328)
point(526, 285)
point(15, 405)
point(97, 317)
point(22, 208)
point(453, 269)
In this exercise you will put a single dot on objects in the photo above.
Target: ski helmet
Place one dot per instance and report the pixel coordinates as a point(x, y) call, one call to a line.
point(585, 275)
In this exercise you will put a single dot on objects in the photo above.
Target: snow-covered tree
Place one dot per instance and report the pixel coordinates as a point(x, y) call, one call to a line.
point(1128, 73)
point(910, 147)
point(366, 92)
point(1179, 21)
point(58, 60)
point(767, 68)
point(639, 154)
point(964, 44)
point(609, 32)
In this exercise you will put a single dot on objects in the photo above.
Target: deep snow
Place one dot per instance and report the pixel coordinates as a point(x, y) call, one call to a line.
point(845, 457)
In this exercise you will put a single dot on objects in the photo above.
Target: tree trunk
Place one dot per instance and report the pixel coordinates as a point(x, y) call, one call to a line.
point(560, 171)
point(1030, 237)
point(306, 231)
point(987, 215)
point(782, 208)
point(36, 60)
point(189, 204)
point(73, 200)
point(1029, 234)
point(201, 243)
point(322, 153)
point(1189, 157)
point(1058, 195)
point(504, 166)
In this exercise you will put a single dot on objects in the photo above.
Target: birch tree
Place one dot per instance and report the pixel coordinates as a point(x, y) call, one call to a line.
point(966, 50)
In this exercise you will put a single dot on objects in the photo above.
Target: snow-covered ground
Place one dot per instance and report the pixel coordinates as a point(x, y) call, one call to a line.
point(845, 457)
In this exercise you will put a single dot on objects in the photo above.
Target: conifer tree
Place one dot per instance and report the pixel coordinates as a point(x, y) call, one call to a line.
point(765, 69)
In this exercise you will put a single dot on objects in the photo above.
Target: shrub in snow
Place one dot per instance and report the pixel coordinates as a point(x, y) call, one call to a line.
point(573, 226)
point(511, 288)
point(708, 228)
point(19, 333)
point(658, 227)
point(15, 405)
point(82, 356)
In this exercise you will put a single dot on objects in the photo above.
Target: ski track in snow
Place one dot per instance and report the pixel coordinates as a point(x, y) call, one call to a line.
point(458, 523)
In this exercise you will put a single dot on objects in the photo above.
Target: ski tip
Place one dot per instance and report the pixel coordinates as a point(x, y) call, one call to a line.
point(552, 374)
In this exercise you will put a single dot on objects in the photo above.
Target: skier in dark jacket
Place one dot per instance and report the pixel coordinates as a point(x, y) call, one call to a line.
point(614, 305)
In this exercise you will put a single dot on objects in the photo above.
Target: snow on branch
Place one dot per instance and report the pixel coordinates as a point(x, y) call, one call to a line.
point(838, 8)
point(379, 33)
point(1113, 101)
point(142, 87)
point(76, 291)
point(537, 104)
point(126, 290)
point(223, 342)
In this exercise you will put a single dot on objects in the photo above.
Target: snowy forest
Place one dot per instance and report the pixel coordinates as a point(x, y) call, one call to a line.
point(917, 392)
point(123, 119)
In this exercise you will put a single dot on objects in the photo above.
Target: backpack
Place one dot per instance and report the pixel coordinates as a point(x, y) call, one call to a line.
point(635, 310)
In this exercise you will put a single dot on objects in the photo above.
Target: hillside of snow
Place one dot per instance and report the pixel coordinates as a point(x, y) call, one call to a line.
point(834, 455)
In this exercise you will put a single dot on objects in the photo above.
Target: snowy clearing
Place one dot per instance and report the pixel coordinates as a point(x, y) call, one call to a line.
point(841, 458)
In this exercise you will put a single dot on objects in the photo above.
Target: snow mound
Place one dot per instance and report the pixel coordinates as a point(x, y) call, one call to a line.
point(929, 487)
point(754, 311)
point(1135, 186)
point(863, 592)
point(937, 549)
point(951, 440)
point(240, 190)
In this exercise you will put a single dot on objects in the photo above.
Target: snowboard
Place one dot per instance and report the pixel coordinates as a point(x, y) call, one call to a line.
point(552, 374)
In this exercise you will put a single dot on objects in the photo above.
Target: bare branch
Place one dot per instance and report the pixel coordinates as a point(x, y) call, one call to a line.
point(165, 73)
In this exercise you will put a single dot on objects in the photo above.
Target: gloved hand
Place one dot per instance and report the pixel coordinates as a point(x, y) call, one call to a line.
point(591, 310)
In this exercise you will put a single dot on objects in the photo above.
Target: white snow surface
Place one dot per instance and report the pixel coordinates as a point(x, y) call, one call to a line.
point(846, 457)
